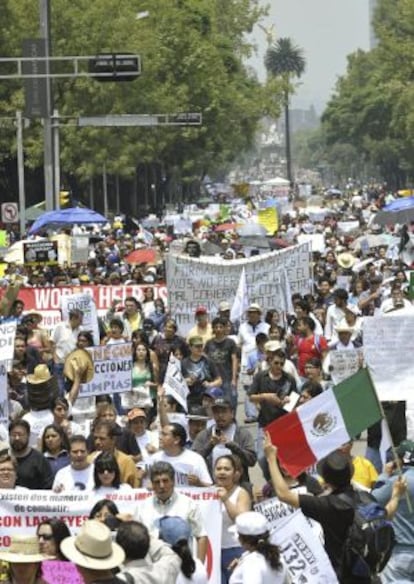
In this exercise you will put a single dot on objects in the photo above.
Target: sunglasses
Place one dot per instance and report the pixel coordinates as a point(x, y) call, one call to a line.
point(45, 536)
point(103, 470)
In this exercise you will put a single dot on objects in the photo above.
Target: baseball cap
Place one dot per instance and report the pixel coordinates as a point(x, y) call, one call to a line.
point(254, 307)
point(173, 529)
point(201, 310)
point(136, 413)
point(222, 402)
point(406, 452)
point(223, 306)
point(196, 412)
point(251, 523)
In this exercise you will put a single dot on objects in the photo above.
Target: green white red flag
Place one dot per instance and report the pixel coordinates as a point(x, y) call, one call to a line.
point(324, 423)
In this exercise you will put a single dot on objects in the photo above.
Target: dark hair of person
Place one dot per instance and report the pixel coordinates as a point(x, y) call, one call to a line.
point(183, 551)
point(178, 431)
point(280, 328)
point(19, 424)
point(270, 314)
point(77, 438)
point(106, 461)
point(118, 323)
point(99, 505)
point(219, 320)
point(341, 294)
point(59, 401)
point(313, 388)
point(261, 544)
point(315, 362)
point(308, 321)
point(112, 429)
point(279, 353)
point(134, 539)
point(75, 313)
point(103, 399)
point(140, 336)
point(60, 531)
point(64, 440)
point(303, 304)
point(132, 299)
point(260, 338)
point(172, 322)
point(160, 468)
point(147, 355)
point(88, 336)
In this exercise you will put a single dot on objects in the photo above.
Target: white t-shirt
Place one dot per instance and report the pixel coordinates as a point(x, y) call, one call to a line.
point(186, 463)
point(69, 479)
point(37, 420)
point(253, 569)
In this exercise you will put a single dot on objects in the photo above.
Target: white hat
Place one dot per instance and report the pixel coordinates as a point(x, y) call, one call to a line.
point(354, 309)
point(344, 327)
point(251, 523)
point(272, 346)
point(224, 306)
point(93, 547)
point(23, 549)
point(254, 307)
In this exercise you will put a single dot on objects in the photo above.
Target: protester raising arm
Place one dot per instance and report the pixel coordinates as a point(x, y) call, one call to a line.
point(279, 484)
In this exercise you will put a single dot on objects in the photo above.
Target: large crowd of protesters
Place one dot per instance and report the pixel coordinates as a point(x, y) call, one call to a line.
point(271, 362)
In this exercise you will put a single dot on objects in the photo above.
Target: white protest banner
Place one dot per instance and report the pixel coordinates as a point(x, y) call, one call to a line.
point(347, 227)
point(23, 511)
point(113, 370)
point(86, 304)
point(343, 364)
point(209, 280)
point(303, 552)
point(7, 334)
point(4, 401)
point(388, 353)
point(316, 240)
point(174, 382)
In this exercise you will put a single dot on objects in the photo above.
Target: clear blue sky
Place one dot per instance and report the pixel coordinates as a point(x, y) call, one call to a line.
point(327, 31)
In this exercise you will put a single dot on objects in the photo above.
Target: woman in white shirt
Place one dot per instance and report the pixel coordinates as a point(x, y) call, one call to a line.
point(106, 475)
point(261, 563)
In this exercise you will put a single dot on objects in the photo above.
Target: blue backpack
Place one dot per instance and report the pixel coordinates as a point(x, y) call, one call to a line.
point(370, 539)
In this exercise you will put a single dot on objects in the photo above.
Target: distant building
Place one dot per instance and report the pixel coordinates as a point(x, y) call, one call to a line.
point(300, 119)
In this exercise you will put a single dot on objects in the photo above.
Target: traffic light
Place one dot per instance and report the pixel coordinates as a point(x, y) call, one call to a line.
point(64, 198)
point(115, 67)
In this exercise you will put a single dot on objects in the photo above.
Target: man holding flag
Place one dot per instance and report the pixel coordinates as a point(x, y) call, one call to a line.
point(312, 433)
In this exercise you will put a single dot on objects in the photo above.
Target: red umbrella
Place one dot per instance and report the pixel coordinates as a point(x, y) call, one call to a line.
point(227, 227)
point(141, 256)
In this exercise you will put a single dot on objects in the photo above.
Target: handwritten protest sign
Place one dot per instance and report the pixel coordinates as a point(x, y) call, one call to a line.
point(388, 352)
point(23, 511)
point(113, 370)
point(7, 334)
point(343, 364)
point(174, 382)
point(269, 219)
point(302, 551)
point(85, 303)
point(208, 281)
point(56, 572)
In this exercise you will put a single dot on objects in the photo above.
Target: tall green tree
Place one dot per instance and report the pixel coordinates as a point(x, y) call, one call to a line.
point(285, 60)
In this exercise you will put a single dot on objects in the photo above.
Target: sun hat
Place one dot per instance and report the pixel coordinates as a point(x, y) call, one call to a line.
point(344, 327)
point(272, 346)
point(42, 387)
point(93, 547)
point(85, 363)
point(24, 549)
point(173, 529)
point(32, 314)
point(346, 260)
point(251, 523)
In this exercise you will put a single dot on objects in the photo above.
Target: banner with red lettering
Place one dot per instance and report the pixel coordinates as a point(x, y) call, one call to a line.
point(22, 511)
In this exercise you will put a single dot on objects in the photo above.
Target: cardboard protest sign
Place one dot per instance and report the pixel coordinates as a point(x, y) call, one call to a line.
point(40, 253)
point(174, 382)
point(113, 370)
point(7, 334)
point(86, 304)
point(343, 364)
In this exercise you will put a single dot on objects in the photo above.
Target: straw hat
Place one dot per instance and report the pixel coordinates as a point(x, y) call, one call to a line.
point(93, 547)
point(32, 314)
point(85, 363)
point(23, 549)
point(344, 327)
point(42, 387)
point(346, 260)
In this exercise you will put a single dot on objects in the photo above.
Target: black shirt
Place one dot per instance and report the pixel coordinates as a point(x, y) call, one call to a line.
point(221, 353)
point(263, 383)
point(34, 471)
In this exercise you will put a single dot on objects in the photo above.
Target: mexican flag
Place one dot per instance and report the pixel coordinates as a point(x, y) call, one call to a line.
point(326, 422)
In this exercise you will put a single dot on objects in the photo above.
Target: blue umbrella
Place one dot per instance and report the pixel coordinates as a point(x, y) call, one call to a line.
point(67, 217)
point(398, 211)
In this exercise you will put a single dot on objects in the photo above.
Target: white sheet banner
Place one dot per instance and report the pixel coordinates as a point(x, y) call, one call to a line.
point(174, 382)
point(86, 304)
point(209, 280)
point(388, 352)
point(113, 370)
point(343, 364)
point(22, 511)
point(4, 402)
point(302, 551)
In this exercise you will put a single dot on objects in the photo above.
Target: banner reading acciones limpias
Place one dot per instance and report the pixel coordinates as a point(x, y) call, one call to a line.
point(22, 511)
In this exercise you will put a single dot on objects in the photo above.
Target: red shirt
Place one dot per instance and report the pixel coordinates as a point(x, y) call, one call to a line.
point(309, 348)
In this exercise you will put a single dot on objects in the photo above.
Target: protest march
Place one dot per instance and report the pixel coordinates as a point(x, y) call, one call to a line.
point(200, 399)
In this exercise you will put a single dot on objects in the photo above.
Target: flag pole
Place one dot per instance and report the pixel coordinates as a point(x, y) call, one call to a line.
point(384, 425)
